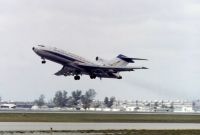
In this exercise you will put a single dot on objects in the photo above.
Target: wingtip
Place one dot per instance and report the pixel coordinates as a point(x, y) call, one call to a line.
point(144, 59)
point(138, 59)
point(145, 68)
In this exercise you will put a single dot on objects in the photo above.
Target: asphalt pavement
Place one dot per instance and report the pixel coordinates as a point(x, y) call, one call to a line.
point(33, 126)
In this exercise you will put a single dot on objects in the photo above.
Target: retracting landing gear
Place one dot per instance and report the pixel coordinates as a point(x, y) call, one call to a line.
point(76, 77)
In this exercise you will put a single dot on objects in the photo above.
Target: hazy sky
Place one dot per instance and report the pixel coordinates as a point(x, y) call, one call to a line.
point(166, 32)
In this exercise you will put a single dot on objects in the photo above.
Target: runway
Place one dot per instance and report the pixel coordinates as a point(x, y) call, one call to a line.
point(35, 126)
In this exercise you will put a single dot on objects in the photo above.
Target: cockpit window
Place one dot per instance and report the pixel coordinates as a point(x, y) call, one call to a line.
point(41, 45)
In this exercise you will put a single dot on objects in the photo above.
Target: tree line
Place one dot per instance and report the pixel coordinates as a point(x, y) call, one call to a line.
point(77, 99)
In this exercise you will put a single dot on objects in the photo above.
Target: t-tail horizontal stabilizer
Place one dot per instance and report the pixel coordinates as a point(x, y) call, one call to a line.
point(128, 59)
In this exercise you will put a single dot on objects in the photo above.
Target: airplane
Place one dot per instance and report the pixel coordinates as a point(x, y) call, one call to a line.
point(7, 106)
point(74, 65)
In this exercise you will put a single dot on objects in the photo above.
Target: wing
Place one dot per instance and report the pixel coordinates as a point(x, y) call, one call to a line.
point(66, 71)
point(60, 72)
point(102, 71)
point(109, 68)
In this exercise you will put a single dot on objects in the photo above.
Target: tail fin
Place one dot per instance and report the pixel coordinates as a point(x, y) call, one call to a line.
point(122, 60)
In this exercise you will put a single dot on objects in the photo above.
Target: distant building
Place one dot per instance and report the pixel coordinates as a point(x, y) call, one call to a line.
point(183, 106)
point(196, 106)
point(24, 105)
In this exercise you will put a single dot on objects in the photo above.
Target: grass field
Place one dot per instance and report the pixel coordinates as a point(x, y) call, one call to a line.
point(92, 117)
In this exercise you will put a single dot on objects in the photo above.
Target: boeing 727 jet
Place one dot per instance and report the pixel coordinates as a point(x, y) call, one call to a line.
point(76, 66)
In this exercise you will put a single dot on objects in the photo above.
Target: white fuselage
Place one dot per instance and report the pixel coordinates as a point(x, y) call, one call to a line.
point(59, 56)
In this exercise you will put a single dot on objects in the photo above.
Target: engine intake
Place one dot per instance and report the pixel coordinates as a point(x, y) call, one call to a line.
point(100, 60)
point(97, 58)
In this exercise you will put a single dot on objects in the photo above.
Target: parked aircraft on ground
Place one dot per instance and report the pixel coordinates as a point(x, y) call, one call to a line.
point(75, 65)
point(7, 106)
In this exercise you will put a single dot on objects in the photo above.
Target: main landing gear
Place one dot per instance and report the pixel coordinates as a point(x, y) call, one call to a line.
point(92, 76)
point(76, 77)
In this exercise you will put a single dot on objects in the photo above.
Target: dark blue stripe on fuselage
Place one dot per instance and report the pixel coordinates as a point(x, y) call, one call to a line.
point(61, 56)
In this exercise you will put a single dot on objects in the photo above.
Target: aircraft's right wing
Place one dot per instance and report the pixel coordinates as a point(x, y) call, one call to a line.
point(60, 72)
point(66, 71)
point(98, 69)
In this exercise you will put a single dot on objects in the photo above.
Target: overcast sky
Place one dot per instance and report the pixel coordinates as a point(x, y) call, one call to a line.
point(166, 32)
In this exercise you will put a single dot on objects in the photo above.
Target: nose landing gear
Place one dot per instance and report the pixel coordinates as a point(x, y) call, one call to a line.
point(43, 61)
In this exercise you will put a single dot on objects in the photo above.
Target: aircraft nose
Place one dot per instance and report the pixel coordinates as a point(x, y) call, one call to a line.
point(34, 49)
